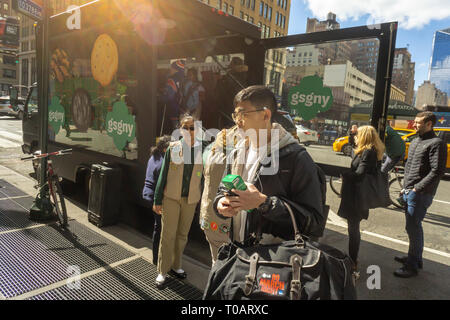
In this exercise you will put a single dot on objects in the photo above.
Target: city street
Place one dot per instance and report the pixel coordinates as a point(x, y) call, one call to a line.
point(383, 237)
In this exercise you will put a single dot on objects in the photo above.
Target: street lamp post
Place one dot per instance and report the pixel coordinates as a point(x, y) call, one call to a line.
point(42, 208)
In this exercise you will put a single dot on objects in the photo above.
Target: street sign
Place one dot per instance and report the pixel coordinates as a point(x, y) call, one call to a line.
point(30, 8)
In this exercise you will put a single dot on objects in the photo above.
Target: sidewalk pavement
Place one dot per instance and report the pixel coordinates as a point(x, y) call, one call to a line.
point(376, 253)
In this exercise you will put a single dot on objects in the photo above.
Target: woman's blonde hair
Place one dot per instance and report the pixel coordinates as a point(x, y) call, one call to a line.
point(368, 138)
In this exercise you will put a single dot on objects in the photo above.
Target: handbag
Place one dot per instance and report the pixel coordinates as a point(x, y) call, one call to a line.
point(373, 190)
point(292, 270)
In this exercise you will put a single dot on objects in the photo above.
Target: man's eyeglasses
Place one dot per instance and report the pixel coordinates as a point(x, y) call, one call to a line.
point(188, 128)
point(238, 115)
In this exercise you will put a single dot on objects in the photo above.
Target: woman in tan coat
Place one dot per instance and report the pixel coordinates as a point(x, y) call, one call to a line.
point(176, 196)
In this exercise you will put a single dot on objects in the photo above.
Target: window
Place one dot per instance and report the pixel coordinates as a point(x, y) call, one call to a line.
point(246, 17)
point(266, 7)
point(268, 32)
point(276, 18)
point(225, 7)
point(7, 73)
point(33, 70)
point(241, 15)
point(231, 10)
point(5, 6)
point(253, 5)
point(270, 13)
point(248, 3)
point(219, 4)
point(24, 46)
point(261, 8)
point(9, 60)
point(25, 72)
point(252, 20)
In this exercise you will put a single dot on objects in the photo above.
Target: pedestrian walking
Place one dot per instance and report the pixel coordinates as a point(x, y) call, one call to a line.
point(276, 170)
point(395, 149)
point(369, 150)
point(151, 178)
point(351, 135)
point(424, 168)
point(176, 196)
point(216, 229)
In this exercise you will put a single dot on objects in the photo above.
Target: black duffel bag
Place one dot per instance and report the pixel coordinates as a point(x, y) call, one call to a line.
point(293, 270)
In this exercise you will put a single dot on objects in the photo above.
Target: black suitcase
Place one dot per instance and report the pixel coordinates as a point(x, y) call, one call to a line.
point(104, 195)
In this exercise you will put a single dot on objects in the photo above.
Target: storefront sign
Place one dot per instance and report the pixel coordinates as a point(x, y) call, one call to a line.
point(30, 8)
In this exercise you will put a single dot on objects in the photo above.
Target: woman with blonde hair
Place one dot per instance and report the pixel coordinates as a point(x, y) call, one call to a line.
point(367, 155)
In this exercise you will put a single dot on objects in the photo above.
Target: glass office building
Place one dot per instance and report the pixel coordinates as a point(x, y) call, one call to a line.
point(439, 73)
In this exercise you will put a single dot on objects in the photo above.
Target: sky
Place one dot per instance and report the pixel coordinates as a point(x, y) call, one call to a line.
point(418, 21)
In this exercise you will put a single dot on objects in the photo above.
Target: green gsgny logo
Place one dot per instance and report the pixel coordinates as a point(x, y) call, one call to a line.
point(120, 125)
point(310, 97)
point(56, 115)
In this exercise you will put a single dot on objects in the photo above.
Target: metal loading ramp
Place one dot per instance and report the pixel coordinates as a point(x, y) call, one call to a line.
point(40, 261)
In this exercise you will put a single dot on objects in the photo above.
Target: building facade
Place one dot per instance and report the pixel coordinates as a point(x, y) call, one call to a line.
point(403, 73)
point(8, 60)
point(439, 72)
point(429, 94)
point(272, 16)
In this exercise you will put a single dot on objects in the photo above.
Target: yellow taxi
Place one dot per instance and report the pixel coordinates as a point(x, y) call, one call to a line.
point(341, 144)
point(443, 133)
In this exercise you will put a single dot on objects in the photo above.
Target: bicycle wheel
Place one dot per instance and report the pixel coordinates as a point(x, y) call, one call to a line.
point(336, 185)
point(395, 186)
point(58, 201)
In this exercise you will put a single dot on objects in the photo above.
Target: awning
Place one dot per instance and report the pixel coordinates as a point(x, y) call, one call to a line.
point(395, 108)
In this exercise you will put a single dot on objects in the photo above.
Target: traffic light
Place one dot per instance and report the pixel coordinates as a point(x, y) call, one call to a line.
point(16, 60)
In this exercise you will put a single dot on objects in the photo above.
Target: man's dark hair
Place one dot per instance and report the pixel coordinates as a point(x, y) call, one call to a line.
point(259, 96)
point(163, 143)
point(428, 116)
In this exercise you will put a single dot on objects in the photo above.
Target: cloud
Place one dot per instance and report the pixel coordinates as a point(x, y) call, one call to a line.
point(411, 14)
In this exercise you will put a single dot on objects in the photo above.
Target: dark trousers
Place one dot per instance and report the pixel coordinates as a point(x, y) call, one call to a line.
point(354, 238)
point(156, 236)
point(416, 209)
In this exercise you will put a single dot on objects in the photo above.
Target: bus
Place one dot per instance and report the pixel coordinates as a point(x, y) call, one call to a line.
point(109, 62)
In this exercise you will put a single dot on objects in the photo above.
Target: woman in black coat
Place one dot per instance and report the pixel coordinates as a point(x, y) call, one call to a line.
point(369, 151)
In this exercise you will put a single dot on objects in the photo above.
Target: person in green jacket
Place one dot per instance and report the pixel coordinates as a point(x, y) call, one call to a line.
point(395, 149)
point(176, 196)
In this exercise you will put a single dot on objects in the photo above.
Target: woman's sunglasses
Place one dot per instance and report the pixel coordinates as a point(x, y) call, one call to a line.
point(188, 128)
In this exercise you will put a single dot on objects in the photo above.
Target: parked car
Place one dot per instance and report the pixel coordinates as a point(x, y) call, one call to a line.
point(5, 106)
point(285, 120)
point(443, 133)
point(341, 144)
point(18, 109)
point(306, 136)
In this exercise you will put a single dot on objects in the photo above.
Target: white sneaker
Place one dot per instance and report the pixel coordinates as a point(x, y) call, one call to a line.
point(160, 279)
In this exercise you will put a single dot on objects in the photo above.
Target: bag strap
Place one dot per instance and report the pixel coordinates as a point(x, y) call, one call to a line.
point(251, 277)
point(296, 285)
point(297, 235)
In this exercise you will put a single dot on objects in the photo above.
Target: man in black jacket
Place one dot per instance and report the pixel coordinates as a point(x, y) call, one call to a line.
point(277, 170)
point(427, 157)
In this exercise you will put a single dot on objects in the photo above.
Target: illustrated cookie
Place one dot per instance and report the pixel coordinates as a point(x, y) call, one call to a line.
point(104, 60)
point(60, 65)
